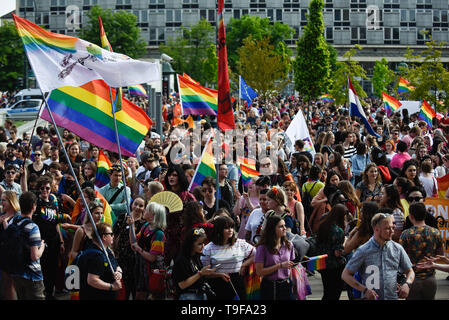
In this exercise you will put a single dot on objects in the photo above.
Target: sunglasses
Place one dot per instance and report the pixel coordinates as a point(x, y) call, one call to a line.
point(45, 188)
point(10, 172)
point(414, 199)
point(37, 155)
point(108, 234)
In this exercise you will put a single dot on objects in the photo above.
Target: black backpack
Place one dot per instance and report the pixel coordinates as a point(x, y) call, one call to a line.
point(306, 200)
point(14, 248)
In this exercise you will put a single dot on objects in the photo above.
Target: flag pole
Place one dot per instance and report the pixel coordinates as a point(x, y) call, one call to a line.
point(69, 162)
point(240, 93)
point(121, 160)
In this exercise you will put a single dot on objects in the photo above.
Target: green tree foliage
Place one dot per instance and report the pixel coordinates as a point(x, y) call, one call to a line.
point(351, 68)
point(194, 52)
point(428, 75)
point(262, 68)
point(238, 30)
point(312, 62)
point(382, 77)
point(12, 57)
point(121, 30)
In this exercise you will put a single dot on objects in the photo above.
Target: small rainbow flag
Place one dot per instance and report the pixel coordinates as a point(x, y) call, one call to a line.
point(252, 283)
point(316, 263)
point(137, 90)
point(205, 167)
point(327, 98)
point(103, 165)
point(251, 163)
point(427, 113)
point(443, 185)
point(404, 86)
point(247, 174)
point(196, 99)
point(391, 104)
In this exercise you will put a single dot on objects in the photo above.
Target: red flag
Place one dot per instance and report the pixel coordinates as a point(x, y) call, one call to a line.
point(225, 114)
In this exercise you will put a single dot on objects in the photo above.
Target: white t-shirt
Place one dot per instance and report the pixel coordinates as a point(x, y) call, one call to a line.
point(230, 257)
point(429, 184)
point(253, 222)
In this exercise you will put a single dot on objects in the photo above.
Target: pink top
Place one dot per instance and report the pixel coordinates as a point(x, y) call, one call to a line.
point(398, 159)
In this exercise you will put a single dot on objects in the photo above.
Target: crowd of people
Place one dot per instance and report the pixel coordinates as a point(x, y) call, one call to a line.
point(359, 196)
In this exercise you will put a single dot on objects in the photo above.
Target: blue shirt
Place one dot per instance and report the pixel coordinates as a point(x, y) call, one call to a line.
point(389, 259)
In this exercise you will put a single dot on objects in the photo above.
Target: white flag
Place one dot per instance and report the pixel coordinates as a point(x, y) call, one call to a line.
point(59, 60)
point(297, 130)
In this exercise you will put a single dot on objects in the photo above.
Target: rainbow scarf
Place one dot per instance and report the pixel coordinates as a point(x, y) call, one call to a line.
point(391, 104)
point(86, 111)
point(404, 86)
point(426, 113)
point(196, 99)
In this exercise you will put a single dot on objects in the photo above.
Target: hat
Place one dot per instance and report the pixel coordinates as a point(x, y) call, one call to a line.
point(11, 145)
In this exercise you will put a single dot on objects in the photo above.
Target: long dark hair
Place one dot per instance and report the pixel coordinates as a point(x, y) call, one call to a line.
point(190, 237)
point(335, 216)
point(220, 224)
point(406, 165)
point(192, 214)
point(182, 179)
point(369, 209)
point(338, 162)
point(393, 197)
point(268, 238)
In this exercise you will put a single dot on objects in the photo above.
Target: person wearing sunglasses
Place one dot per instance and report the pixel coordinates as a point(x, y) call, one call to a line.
point(8, 182)
point(48, 217)
point(418, 194)
point(378, 261)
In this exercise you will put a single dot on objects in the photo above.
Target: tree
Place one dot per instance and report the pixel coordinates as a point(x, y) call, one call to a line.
point(428, 75)
point(194, 52)
point(312, 63)
point(262, 68)
point(12, 57)
point(259, 28)
point(351, 68)
point(382, 77)
point(121, 30)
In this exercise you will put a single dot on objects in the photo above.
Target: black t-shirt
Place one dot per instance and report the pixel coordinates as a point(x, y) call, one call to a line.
point(184, 268)
point(430, 220)
point(47, 217)
point(221, 204)
point(94, 262)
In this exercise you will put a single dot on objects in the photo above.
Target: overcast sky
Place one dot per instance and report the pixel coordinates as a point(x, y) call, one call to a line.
point(7, 6)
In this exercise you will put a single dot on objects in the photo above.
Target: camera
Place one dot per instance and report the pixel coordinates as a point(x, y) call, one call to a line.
point(207, 289)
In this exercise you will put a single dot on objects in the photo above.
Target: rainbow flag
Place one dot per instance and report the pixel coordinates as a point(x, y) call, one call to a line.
point(86, 111)
point(301, 285)
point(108, 214)
point(327, 98)
point(427, 113)
point(60, 60)
point(137, 90)
point(247, 174)
point(391, 104)
point(185, 75)
point(205, 167)
point(196, 99)
point(107, 46)
point(103, 165)
point(252, 283)
point(316, 263)
point(404, 86)
point(248, 162)
point(443, 185)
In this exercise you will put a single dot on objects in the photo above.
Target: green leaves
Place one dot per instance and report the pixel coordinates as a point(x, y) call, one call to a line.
point(12, 57)
point(382, 77)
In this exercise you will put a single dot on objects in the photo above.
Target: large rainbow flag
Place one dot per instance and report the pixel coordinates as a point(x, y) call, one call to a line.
point(443, 185)
point(103, 165)
point(205, 167)
point(196, 99)
point(391, 104)
point(60, 60)
point(86, 111)
point(404, 86)
point(427, 113)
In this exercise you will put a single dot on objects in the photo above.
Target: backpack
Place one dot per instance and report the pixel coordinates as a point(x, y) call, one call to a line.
point(14, 248)
point(76, 262)
point(306, 200)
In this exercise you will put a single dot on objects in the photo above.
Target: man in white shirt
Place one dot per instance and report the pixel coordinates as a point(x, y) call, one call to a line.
point(255, 221)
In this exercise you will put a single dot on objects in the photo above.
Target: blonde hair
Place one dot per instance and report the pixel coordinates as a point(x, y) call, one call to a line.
point(277, 194)
point(12, 198)
point(348, 189)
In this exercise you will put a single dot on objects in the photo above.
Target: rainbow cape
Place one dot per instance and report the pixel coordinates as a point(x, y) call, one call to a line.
point(196, 99)
point(60, 60)
point(443, 185)
point(327, 98)
point(391, 104)
point(404, 86)
point(137, 90)
point(316, 263)
point(86, 111)
point(103, 165)
point(205, 167)
point(427, 113)
point(108, 214)
point(247, 174)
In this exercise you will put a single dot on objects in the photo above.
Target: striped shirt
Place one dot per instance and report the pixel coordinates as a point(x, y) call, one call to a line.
point(230, 257)
point(349, 152)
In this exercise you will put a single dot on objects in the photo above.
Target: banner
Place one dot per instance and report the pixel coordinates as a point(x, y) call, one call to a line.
point(440, 210)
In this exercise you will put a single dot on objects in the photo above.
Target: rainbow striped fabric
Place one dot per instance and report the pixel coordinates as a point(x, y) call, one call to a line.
point(443, 185)
point(404, 86)
point(103, 165)
point(59, 60)
point(316, 263)
point(87, 112)
point(185, 75)
point(108, 215)
point(247, 174)
point(196, 99)
point(252, 283)
point(205, 167)
point(427, 113)
point(137, 90)
point(327, 98)
point(391, 104)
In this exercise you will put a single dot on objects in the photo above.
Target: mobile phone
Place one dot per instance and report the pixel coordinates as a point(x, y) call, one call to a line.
point(218, 265)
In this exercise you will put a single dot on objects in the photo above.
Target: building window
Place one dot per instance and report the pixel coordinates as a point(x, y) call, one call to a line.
point(358, 35)
point(422, 37)
point(255, 4)
point(391, 35)
point(329, 34)
point(341, 17)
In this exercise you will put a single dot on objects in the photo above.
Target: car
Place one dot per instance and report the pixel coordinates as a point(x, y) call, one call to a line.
point(24, 110)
